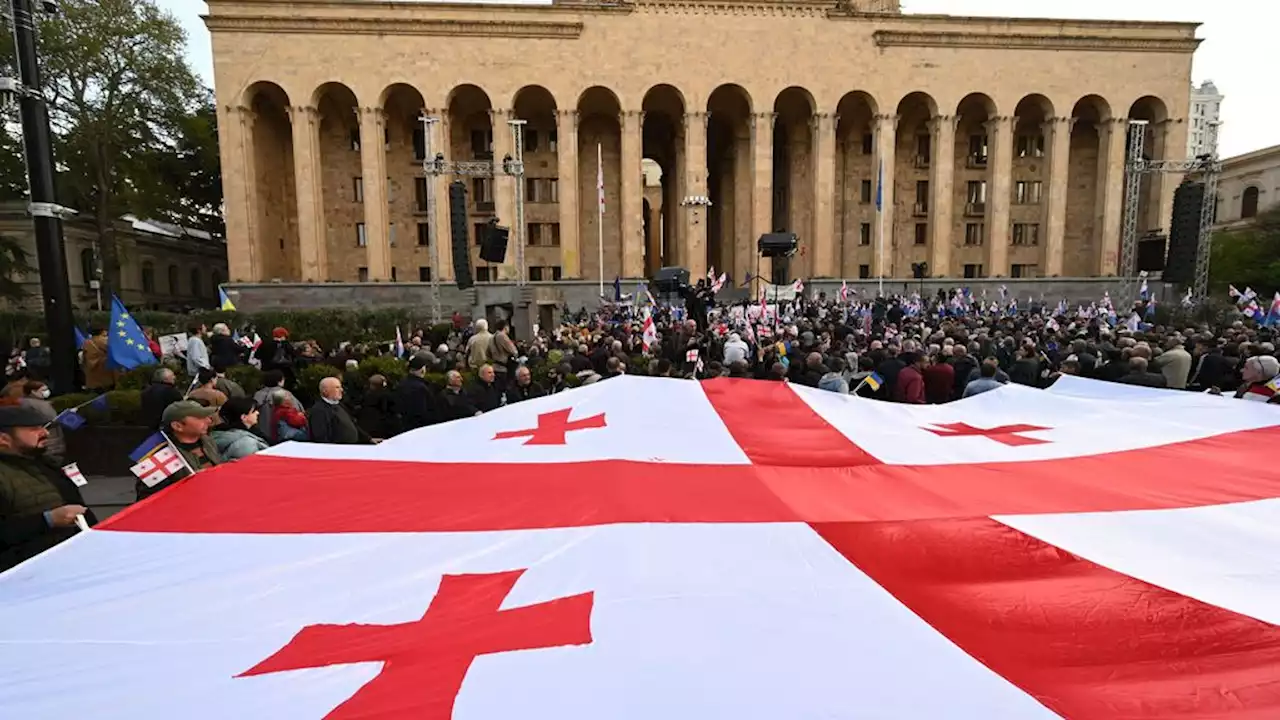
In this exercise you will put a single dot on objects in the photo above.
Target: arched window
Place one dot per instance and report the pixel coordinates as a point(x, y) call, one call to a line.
point(195, 282)
point(173, 280)
point(148, 277)
point(88, 266)
point(1249, 203)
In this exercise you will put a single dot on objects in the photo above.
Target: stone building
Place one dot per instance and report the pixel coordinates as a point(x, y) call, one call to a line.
point(1205, 113)
point(1000, 142)
point(162, 266)
point(1249, 184)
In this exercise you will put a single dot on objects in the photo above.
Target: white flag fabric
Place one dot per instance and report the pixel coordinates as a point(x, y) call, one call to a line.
point(646, 547)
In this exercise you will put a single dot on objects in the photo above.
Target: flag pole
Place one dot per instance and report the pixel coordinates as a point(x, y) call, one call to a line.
point(600, 212)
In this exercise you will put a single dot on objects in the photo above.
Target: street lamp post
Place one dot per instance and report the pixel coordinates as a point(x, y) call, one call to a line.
point(51, 252)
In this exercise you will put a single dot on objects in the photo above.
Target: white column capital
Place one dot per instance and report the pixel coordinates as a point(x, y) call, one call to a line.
point(937, 123)
point(302, 113)
point(763, 120)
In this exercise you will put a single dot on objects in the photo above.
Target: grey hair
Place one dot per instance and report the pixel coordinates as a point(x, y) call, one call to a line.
point(482, 325)
point(279, 396)
point(1267, 365)
point(162, 374)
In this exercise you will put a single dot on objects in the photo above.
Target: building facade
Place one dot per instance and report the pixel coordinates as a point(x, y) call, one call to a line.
point(162, 266)
point(994, 147)
point(1249, 185)
point(1203, 118)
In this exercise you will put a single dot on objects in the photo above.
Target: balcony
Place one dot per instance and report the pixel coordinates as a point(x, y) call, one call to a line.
point(920, 209)
point(976, 161)
point(975, 209)
point(922, 161)
point(484, 206)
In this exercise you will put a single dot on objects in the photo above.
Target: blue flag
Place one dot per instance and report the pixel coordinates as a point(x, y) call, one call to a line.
point(70, 419)
point(127, 347)
point(100, 403)
point(154, 442)
point(80, 338)
point(880, 189)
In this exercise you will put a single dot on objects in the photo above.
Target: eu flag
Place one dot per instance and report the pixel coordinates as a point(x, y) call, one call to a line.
point(127, 347)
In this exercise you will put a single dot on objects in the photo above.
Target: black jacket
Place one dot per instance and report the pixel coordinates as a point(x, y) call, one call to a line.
point(377, 414)
point(516, 392)
point(416, 403)
point(223, 350)
point(28, 488)
point(154, 399)
point(457, 405)
point(1145, 379)
point(333, 424)
point(486, 396)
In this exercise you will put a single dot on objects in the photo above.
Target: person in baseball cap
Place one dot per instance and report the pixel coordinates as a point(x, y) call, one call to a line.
point(187, 424)
point(42, 508)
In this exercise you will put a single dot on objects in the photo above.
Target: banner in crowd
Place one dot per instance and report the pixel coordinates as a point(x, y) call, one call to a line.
point(646, 547)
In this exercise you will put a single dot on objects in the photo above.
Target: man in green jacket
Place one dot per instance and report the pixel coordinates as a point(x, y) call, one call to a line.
point(38, 502)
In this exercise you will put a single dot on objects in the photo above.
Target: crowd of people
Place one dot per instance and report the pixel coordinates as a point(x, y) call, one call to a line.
point(901, 349)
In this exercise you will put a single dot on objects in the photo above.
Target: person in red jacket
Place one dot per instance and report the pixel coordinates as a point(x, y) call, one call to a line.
point(910, 385)
point(939, 381)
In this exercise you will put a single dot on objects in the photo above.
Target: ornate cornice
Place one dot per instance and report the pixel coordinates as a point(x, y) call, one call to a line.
point(1029, 41)
point(576, 7)
point(742, 8)
point(393, 26)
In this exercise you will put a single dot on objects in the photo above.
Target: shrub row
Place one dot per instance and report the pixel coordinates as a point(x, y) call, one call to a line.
point(328, 327)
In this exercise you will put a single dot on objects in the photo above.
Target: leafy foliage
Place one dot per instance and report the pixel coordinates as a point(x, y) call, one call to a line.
point(14, 262)
point(128, 116)
point(1249, 256)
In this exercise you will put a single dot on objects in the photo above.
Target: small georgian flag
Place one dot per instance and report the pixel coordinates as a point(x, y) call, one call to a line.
point(165, 463)
point(72, 472)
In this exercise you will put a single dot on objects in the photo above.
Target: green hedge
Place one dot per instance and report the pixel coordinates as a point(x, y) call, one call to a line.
point(328, 327)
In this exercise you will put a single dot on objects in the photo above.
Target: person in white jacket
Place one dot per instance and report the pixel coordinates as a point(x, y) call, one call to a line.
point(197, 353)
point(735, 349)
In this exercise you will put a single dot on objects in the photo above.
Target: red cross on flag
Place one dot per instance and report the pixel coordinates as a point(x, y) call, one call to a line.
point(643, 548)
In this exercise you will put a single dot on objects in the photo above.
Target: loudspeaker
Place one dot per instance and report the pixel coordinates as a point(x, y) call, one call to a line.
point(458, 232)
point(779, 244)
point(1151, 252)
point(493, 246)
point(669, 279)
point(1184, 232)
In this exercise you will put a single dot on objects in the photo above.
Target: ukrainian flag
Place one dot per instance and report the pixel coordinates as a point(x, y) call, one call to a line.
point(224, 302)
point(874, 381)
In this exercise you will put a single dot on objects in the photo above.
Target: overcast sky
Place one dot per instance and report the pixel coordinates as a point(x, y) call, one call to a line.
point(1236, 53)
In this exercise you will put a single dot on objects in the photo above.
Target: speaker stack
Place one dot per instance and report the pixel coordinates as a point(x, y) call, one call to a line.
point(1184, 232)
point(458, 233)
point(493, 245)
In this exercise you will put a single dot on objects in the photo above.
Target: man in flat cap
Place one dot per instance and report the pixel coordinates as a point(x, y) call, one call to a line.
point(38, 503)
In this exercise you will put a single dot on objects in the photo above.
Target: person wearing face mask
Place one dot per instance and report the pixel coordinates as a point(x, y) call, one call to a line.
point(35, 394)
point(38, 503)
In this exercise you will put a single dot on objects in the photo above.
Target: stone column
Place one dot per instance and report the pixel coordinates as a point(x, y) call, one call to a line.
point(1163, 184)
point(1111, 161)
point(1058, 132)
point(999, 195)
point(942, 177)
point(504, 189)
point(240, 190)
point(305, 122)
point(631, 122)
point(567, 186)
point(441, 144)
point(883, 166)
point(824, 195)
point(762, 192)
point(695, 215)
point(377, 217)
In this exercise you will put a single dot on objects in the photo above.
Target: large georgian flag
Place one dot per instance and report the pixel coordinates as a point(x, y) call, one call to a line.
point(648, 548)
